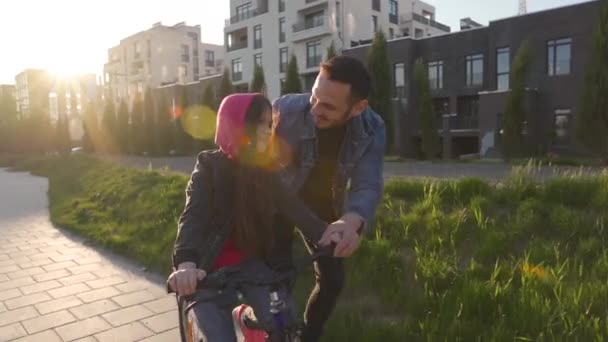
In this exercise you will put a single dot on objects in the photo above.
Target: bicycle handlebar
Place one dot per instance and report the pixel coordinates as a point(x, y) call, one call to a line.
point(229, 275)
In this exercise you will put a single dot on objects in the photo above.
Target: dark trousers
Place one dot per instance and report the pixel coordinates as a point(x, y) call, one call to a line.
point(329, 282)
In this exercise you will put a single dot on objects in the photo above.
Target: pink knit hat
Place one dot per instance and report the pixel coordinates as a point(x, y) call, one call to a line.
point(230, 123)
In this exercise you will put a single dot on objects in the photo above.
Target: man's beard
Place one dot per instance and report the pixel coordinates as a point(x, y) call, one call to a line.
point(340, 122)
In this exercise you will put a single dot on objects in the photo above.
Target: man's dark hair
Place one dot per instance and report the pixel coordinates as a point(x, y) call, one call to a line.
point(349, 70)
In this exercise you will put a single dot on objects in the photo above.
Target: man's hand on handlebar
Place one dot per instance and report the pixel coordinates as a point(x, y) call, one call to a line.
point(184, 280)
point(344, 235)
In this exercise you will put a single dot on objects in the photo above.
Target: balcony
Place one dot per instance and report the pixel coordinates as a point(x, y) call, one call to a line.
point(309, 4)
point(237, 46)
point(236, 40)
point(247, 15)
point(407, 18)
point(464, 122)
point(308, 29)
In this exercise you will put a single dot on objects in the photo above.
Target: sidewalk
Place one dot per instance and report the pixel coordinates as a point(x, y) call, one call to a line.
point(53, 287)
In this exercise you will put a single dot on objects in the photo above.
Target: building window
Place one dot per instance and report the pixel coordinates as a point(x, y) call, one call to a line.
point(562, 127)
point(376, 5)
point(243, 12)
point(503, 68)
point(282, 30)
point(283, 59)
point(209, 58)
point(282, 86)
point(313, 54)
point(338, 15)
point(418, 33)
point(149, 48)
point(185, 49)
point(281, 6)
point(257, 37)
point(468, 113)
point(374, 24)
point(399, 80)
point(559, 56)
point(257, 59)
point(436, 74)
point(393, 14)
point(137, 50)
point(182, 73)
point(237, 70)
point(391, 33)
point(474, 67)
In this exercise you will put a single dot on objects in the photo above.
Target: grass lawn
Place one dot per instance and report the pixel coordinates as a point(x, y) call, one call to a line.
point(449, 261)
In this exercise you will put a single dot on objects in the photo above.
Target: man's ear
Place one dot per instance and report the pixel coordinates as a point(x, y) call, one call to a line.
point(358, 108)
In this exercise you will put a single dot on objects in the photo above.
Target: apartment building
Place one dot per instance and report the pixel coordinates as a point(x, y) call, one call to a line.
point(469, 72)
point(32, 88)
point(7, 90)
point(159, 56)
point(8, 104)
point(268, 32)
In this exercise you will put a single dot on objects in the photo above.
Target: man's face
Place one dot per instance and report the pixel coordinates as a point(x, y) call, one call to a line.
point(332, 104)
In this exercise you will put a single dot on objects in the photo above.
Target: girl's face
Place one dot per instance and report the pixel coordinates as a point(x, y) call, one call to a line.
point(264, 131)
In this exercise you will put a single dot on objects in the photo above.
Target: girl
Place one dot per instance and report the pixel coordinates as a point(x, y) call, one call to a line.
point(231, 198)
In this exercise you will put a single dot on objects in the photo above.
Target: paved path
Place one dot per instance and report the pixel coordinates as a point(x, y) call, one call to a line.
point(55, 288)
point(489, 171)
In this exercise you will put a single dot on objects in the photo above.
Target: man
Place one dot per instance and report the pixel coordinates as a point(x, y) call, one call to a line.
point(333, 144)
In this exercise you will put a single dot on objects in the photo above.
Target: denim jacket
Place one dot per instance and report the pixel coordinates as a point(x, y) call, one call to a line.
point(358, 183)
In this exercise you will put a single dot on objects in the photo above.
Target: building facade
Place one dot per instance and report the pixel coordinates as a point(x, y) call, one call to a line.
point(159, 56)
point(8, 103)
point(469, 72)
point(32, 89)
point(268, 32)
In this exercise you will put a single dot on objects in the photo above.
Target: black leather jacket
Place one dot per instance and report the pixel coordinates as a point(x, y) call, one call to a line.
point(206, 221)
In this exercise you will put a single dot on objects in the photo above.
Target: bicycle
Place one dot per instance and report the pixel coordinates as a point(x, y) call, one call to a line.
point(267, 312)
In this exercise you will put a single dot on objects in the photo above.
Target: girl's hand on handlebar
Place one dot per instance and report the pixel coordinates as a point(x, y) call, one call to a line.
point(184, 280)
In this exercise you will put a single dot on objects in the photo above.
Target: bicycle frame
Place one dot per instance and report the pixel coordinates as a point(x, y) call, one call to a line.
point(244, 320)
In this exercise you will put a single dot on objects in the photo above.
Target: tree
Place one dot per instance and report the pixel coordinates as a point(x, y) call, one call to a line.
point(515, 111)
point(331, 51)
point(163, 128)
point(182, 138)
point(8, 122)
point(293, 84)
point(91, 128)
point(209, 98)
point(380, 71)
point(148, 124)
point(137, 125)
point(225, 88)
point(62, 134)
point(428, 127)
point(123, 127)
point(592, 122)
point(109, 123)
point(258, 84)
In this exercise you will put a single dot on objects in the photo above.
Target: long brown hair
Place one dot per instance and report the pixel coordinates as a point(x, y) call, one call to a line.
point(254, 207)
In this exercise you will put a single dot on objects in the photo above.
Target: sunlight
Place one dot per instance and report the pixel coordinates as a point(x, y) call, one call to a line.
point(65, 70)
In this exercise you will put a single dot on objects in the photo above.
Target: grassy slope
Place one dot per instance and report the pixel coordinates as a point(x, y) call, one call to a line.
point(449, 261)
point(130, 211)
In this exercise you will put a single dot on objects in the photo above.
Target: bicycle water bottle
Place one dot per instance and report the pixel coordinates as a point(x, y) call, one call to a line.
point(276, 309)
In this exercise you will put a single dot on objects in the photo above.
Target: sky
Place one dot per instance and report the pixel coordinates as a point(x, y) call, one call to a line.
point(69, 36)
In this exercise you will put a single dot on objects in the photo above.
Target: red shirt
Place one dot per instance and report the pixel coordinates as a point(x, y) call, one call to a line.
point(229, 255)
